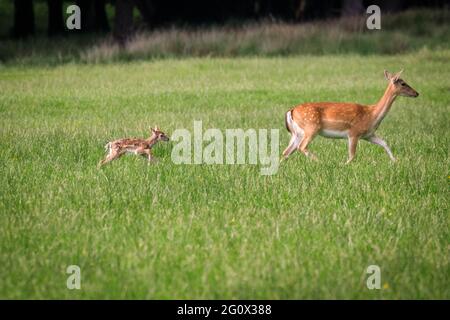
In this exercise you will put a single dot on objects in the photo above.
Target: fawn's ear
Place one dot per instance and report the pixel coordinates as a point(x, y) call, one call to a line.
point(387, 75)
point(153, 130)
point(397, 75)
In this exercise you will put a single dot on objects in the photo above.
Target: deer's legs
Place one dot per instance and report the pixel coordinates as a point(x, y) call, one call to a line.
point(146, 153)
point(295, 141)
point(303, 147)
point(378, 141)
point(113, 155)
point(352, 143)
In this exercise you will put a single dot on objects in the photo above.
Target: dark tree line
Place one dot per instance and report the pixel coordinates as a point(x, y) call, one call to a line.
point(23, 18)
point(160, 13)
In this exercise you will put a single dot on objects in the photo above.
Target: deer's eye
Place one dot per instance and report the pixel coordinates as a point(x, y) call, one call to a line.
point(403, 84)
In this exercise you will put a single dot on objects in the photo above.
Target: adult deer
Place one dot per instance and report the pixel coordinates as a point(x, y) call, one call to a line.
point(343, 120)
point(118, 148)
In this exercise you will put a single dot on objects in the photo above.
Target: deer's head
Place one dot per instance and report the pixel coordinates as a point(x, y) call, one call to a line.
point(399, 86)
point(160, 136)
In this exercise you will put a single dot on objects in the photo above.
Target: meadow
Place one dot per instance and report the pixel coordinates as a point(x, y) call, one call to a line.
point(167, 231)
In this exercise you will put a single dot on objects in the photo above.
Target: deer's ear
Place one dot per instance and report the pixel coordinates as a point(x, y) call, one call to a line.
point(397, 75)
point(153, 130)
point(387, 75)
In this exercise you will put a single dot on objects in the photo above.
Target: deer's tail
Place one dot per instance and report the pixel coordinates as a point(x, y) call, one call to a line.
point(289, 122)
point(108, 146)
point(291, 125)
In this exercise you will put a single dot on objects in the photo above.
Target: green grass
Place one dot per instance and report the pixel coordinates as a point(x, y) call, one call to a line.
point(223, 231)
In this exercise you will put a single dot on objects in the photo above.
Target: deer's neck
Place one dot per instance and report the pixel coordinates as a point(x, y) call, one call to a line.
point(152, 140)
point(383, 106)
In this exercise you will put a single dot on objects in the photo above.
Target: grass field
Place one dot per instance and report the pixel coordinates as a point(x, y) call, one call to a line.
point(221, 231)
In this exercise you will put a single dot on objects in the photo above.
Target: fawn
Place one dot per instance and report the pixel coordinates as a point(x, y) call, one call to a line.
point(136, 146)
point(343, 120)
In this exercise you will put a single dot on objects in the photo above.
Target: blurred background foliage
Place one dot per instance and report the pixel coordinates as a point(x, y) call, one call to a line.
point(35, 31)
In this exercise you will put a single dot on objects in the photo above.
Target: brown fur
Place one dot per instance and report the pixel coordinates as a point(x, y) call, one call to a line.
point(350, 120)
point(118, 148)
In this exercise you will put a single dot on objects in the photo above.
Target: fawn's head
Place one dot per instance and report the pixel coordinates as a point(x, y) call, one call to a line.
point(160, 136)
point(399, 86)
